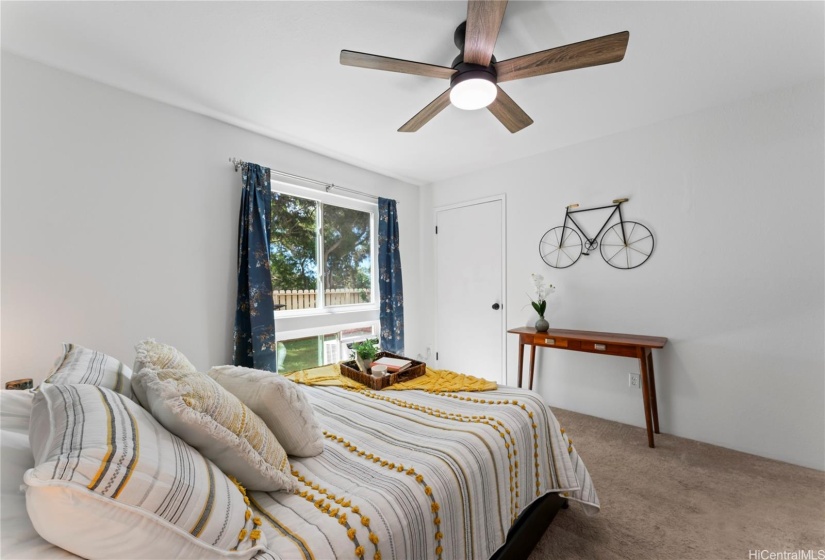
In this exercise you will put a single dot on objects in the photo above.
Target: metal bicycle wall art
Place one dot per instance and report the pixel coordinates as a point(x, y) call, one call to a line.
point(623, 245)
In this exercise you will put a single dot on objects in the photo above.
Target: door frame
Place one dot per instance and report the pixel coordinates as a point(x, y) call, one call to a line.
point(475, 202)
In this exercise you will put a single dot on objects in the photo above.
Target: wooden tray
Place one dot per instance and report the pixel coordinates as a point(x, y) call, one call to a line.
point(350, 369)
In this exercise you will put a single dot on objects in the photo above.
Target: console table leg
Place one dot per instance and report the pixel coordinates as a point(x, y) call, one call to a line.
point(520, 362)
point(640, 352)
point(654, 407)
point(532, 363)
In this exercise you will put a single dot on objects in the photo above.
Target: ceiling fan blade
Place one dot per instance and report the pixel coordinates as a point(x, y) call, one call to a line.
point(376, 62)
point(424, 115)
point(483, 23)
point(509, 113)
point(593, 52)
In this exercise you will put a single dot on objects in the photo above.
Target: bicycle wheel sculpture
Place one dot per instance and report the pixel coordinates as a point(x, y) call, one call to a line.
point(560, 247)
point(627, 249)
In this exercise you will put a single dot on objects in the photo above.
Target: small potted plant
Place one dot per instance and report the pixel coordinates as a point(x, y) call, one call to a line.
point(364, 353)
point(540, 303)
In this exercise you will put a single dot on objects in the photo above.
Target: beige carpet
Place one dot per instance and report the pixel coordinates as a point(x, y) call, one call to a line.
point(683, 500)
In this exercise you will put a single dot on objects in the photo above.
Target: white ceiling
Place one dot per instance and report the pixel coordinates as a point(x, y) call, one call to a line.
point(272, 67)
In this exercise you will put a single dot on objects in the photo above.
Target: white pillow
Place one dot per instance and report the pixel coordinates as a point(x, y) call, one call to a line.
point(90, 367)
point(110, 482)
point(156, 355)
point(279, 402)
point(211, 419)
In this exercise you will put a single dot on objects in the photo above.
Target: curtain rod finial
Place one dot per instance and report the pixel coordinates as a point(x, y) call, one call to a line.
point(237, 163)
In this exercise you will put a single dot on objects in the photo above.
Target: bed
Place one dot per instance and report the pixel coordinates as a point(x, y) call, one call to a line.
point(403, 475)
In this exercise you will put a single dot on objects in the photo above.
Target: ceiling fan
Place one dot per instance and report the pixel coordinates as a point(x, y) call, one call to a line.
point(475, 73)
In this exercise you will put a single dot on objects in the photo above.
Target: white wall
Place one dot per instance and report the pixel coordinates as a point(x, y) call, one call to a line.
point(734, 196)
point(120, 218)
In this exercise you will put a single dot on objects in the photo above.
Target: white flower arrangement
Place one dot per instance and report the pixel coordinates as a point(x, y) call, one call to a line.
point(542, 291)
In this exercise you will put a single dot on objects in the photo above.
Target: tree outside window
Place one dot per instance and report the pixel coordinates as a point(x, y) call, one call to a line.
point(303, 262)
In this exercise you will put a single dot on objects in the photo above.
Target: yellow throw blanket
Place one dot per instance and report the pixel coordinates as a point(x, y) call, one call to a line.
point(433, 380)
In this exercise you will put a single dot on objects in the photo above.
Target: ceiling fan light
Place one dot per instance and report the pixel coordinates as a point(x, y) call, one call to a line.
point(473, 93)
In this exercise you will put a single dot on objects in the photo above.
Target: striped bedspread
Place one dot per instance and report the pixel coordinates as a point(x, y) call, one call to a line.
point(416, 475)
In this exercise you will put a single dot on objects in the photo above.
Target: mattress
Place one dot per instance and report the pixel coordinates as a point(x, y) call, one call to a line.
point(403, 475)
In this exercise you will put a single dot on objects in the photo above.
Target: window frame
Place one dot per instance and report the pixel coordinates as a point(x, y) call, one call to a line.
point(324, 197)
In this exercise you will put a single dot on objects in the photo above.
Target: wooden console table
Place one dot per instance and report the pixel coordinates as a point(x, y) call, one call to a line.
point(612, 344)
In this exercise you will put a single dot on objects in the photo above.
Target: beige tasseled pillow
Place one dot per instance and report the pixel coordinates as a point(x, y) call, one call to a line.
point(215, 422)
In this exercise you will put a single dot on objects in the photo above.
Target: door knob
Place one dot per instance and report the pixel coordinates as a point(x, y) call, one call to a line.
point(496, 306)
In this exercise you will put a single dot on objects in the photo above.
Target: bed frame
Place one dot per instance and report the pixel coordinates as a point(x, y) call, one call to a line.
point(529, 527)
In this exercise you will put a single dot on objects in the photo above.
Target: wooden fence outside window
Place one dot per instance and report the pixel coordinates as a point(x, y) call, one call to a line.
point(307, 299)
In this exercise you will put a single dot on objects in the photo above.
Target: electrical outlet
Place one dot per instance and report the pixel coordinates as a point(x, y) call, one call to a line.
point(633, 380)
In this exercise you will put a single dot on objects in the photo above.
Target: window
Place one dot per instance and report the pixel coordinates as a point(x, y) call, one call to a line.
point(317, 347)
point(322, 251)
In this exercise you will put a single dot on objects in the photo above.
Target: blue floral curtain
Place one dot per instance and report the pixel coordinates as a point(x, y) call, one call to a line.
point(254, 316)
point(390, 286)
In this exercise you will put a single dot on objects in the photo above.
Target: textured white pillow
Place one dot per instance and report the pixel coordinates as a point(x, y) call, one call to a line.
point(156, 355)
point(110, 482)
point(279, 402)
point(90, 367)
point(211, 419)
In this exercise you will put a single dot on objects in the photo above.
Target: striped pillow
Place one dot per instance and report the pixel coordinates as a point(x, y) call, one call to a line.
point(80, 365)
point(211, 419)
point(110, 482)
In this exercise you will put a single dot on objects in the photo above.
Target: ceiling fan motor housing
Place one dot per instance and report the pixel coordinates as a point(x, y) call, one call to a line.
point(472, 72)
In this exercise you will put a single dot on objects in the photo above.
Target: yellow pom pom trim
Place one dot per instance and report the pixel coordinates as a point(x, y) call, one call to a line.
point(242, 535)
point(351, 534)
point(373, 538)
point(359, 551)
point(255, 535)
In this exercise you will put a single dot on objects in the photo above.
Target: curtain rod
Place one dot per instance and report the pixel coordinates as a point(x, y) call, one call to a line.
point(238, 163)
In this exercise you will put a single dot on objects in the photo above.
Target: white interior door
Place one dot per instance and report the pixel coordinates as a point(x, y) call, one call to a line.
point(470, 326)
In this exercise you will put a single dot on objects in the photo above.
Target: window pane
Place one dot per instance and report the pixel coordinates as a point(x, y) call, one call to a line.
point(347, 259)
point(293, 252)
point(329, 348)
point(301, 353)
